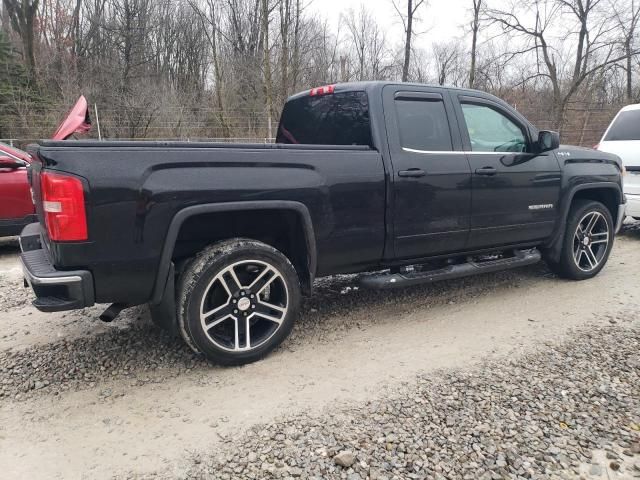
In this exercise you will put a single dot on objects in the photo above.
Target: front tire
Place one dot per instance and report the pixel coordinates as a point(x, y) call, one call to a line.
point(237, 301)
point(587, 241)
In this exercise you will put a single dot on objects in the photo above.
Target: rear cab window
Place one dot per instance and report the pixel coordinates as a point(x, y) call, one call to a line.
point(340, 118)
point(626, 126)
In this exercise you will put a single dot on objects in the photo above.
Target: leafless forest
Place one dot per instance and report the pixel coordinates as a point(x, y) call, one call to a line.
point(223, 68)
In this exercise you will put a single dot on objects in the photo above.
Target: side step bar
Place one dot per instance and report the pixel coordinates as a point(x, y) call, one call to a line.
point(520, 258)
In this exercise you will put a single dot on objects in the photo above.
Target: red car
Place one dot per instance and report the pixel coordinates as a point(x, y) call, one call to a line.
point(16, 204)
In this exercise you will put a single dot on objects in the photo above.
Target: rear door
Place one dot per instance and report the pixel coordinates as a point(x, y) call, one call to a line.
point(431, 178)
point(515, 192)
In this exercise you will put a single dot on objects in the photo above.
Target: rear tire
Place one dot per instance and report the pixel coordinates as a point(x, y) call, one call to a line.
point(237, 301)
point(587, 241)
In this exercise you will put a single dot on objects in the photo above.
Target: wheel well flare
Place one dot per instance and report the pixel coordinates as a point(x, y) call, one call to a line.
point(281, 228)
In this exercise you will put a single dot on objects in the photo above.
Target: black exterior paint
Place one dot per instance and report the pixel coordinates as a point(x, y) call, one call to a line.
point(359, 214)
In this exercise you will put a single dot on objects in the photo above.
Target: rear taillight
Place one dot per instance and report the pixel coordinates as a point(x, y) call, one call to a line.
point(63, 205)
point(595, 147)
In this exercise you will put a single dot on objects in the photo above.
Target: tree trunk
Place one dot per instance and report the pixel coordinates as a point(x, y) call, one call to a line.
point(217, 72)
point(296, 49)
point(407, 42)
point(629, 70)
point(472, 68)
point(268, 88)
point(22, 14)
point(475, 26)
point(285, 18)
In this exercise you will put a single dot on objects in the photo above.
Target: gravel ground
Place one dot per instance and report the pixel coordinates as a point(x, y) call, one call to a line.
point(80, 398)
point(541, 416)
point(12, 294)
point(138, 351)
point(141, 353)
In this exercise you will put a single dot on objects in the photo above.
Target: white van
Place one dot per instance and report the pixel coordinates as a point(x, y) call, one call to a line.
point(623, 138)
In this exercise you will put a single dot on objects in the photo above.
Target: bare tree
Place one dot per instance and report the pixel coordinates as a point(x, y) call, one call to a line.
point(368, 45)
point(223, 68)
point(210, 21)
point(447, 58)
point(475, 27)
point(408, 17)
point(586, 50)
point(627, 18)
point(22, 14)
point(268, 85)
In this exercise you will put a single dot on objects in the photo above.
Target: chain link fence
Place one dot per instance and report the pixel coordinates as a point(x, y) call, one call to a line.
point(583, 125)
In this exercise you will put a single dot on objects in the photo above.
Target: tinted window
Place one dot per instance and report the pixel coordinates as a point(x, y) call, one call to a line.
point(423, 125)
point(491, 131)
point(626, 126)
point(335, 119)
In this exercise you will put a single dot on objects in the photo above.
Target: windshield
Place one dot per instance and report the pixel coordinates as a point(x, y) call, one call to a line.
point(626, 126)
point(333, 119)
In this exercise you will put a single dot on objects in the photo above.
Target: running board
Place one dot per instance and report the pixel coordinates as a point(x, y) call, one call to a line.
point(520, 258)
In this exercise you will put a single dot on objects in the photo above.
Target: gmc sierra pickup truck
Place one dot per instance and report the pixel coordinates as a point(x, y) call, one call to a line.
point(410, 182)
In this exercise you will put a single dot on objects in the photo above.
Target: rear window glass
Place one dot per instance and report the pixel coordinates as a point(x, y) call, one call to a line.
point(337, 119)
point(423, 125)
point(625, 127)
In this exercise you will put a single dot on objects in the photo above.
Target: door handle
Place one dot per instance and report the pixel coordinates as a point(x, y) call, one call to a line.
point(412, 172)
point(486, 171)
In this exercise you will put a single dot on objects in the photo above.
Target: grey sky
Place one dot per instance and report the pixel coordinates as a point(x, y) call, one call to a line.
point(443, 19)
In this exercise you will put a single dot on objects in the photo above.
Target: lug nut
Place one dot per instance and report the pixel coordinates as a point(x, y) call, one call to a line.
point(235, 301)
point(235, 311)
point(253, 306)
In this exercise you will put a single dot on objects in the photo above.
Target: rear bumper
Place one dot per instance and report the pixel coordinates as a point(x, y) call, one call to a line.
point(56, 290)
point(633, 205)
point(13, 226)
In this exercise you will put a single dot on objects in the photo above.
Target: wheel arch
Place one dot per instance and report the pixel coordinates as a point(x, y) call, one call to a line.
point(607, 193)
point(306, 269)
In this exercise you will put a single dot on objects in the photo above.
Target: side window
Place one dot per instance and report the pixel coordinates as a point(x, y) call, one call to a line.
point(491, 131)
point(423, 125)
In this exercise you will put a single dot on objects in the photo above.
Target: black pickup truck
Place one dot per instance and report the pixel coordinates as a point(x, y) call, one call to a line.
point(411, 182)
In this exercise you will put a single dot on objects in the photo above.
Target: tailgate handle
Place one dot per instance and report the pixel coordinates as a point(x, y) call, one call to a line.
point(486, 171)
point(412, 172)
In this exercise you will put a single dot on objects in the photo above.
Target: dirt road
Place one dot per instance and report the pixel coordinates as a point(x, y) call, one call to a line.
point(82, 399)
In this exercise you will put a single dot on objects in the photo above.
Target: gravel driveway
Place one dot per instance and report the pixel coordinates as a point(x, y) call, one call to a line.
point(546, 415)
point(510, 374)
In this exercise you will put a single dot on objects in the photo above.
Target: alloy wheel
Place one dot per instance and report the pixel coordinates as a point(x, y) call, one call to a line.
point(244, 305)
point(590, 241)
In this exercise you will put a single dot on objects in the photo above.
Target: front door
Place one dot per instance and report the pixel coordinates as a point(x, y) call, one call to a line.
point(515, 192)
point(431, 182)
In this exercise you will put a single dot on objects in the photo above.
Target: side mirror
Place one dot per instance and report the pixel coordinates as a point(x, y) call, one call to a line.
point(548, 140)
point(10, 162)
